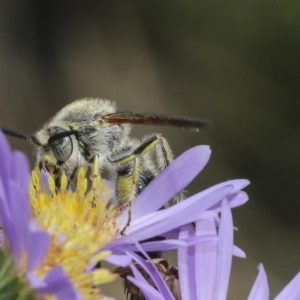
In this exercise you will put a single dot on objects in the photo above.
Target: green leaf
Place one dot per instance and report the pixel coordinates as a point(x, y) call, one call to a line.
point(13, 286)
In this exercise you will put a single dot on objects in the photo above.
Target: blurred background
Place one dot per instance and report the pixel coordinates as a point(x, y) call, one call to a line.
point(235, 62)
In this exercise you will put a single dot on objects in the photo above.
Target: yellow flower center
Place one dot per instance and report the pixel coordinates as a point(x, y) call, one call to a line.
point(80, 224)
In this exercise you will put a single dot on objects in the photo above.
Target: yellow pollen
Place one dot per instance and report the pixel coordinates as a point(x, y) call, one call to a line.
point(80, 225)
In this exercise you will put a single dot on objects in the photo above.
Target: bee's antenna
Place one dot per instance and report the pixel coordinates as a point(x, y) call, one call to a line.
point(20, 135)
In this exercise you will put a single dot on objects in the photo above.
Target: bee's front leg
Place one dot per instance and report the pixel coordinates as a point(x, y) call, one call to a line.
point(94, 175)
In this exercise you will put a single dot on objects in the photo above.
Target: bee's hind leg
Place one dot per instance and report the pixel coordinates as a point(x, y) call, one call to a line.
point(161, 155)
point(126, 183)
point(136, 170)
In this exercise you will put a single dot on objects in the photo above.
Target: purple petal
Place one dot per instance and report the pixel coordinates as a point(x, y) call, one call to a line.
point(14, 206)
point(238, 184)
point(152, 272)
point(205, 261)
point(171, 181)
point(20, 171)
point(236, 251)
point(58, 283)
point(191, 208)
point(234, 199)
point(38, 245)
point(19, 202)
point(240, 199)
point(158, 228)
point(120, 245)
point(225, 246)
point(5, 158)
point(35, 282)
point(260, 289)
point(5, 215)
point(291, 291)
point(173, 234)
point(186, 275)
point(200, 205)
point(18, 221)
point(118, 260)
point(139, 280)
point(166, 245)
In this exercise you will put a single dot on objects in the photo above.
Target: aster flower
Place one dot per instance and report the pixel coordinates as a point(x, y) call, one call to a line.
point(81, 221)
point(34, 261)
point(204, 269)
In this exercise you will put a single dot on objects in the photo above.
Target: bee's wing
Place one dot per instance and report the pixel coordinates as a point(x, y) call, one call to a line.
point(154, 119)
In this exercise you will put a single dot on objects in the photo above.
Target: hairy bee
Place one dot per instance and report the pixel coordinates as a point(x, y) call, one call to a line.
point(92, 129)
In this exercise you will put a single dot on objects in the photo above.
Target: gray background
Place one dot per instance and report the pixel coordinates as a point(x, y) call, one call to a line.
point(235, 62)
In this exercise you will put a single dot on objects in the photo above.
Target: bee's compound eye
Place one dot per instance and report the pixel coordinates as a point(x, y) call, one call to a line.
point(62, 148)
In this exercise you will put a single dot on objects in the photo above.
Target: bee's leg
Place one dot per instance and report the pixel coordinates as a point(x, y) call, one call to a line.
point(161, 155)
point(72, 181)
point(94, 176)
point(157, 149)
point(161, 151)
point(137, 169)
point(122, 232)
point(133, 172)
point(128, 172)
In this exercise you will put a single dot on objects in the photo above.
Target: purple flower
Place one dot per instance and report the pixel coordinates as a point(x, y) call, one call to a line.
point(204, 268)
point(21, 237)
point(148, 221)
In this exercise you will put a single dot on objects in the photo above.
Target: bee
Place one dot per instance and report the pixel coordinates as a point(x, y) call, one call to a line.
point(92, 131)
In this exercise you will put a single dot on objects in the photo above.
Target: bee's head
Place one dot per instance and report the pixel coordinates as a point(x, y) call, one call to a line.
point(55, 146)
